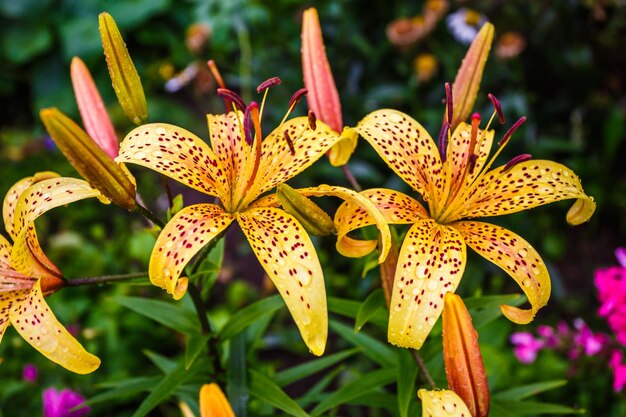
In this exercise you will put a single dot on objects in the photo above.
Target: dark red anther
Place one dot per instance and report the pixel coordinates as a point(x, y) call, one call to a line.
point(519, 158)
point(312, 120)
point(442, 143)
point(289, 142)
point(497, 107)
point(233, 97)
point(270, 82)
point(248, 125)
point(471, 163)
point(297, 96)
point(511, 130)
point(449, 103)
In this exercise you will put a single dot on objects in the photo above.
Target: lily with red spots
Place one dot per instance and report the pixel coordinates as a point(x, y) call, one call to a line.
point(26, 274)
point(455, 179)
point(241, 166)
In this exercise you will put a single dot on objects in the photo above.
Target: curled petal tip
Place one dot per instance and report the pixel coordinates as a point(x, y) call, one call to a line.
point(581, 211)
point(341, 152)
point(181, 288)
point(518, 315)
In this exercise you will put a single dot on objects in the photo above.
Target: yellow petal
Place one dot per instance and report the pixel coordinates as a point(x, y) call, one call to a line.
point(309, 215)
point(213, 402)
point(89, 159)
point(581, 211)
point(408, 149)
point(515, 256)
point(28, 258)
point(178, 154)
point(464, 365)
point(437, 403)
point(526, 185)
point(126, 81)
point(5, 253)
point(8, 299)
point(34, 321)
point(467, 81)
point(457, 153)
point(431, 263)
point(92, 109)
point(344, 148)
point(190, 230)
point(286, 252)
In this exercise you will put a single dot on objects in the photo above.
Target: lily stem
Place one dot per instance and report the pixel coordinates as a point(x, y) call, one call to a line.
point(105, 279)
point(420, 364)
point(213, 351)
point(351, 178)
point(148, 215)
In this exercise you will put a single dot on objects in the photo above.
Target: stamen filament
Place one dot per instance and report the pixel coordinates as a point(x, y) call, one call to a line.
point(312, 120)
point(216, 73)
point(258, 138)
point(497, 106)
point(233, 97)
point(444, 137)
point(449, 103)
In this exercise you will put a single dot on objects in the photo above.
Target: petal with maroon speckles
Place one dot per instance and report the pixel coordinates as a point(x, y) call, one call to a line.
point(28, 258)
point(286, 252)
point(515, 256)
point(187, 232)
point(5, 253)
point(526, 185)
point(431, 263)
point(34, 321)
point(437, 403)
point(408, 149)
point(8, 299)
point(178, 154)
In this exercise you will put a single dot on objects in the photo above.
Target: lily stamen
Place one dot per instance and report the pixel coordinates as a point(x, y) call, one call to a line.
point(289, 142)
point(497, 106)
point(516, 160)
point(511, 130)
point(265, 87)
point(442, 143)
point(312, 120)
point(449, 103)
point(253, 110)
point(216, 73)
point(234, 98)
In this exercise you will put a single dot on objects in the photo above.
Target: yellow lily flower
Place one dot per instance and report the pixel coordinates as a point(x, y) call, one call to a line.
point(437, 403)
point(239, 168)
point(26, 274)
point(457, 182)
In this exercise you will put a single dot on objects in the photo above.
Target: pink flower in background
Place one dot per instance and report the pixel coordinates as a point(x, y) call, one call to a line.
point(585, 340)
point(30, 373)
point(59, 403)
point(526, 346)
point(611, 285)
point(619, 371)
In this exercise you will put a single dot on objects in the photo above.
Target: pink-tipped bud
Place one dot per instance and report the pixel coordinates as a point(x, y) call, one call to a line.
point(449, 103)
point(297, 96)
point(442, 143)
point(292, 150)
point(516, 160)
point(232, 97)
point(511, 130)
point(312, 120)
point(271, 82)
point(497, 107)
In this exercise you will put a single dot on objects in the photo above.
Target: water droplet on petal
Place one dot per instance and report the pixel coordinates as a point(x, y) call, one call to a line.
point(527, 282)
point(395, 117)
point(535, 271)
point(160, 131)
point(449, 407)
point(421, 271)
point(432, 285)
point(522, 253)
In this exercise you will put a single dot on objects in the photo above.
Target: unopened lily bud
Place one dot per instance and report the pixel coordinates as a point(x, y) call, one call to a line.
point(89, 159)
point(461, 355)
point(581, 211)
point(126, 81)
point(442, 403)
point(213, 402)
point(310, 215)
point(341, 152)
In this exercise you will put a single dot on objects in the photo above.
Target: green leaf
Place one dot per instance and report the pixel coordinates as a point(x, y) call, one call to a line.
point(363, 384)
point(164, 364)
point(236, 375)
point(534, 408)
point(316, 392)
point(376, 400)
point(243, 318)
point(525, 391)
point(372, 348)
point(350, 308)
point(486, 301)
point(407, 374)
point(169, 314)
point(123, 389)
point(298, 372)
point(368, 309)
point(267, 391)
point(196, 344)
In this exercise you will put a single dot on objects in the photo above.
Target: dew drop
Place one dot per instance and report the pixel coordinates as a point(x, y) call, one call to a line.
point(139, 155)
point(421, 271)
point(545, 190)
point(160, 130)
point(306, 320)
point(395, 117)
point(535, 271)
point(522, 253)
point(527, 282)
point(432, 285)
point(449, 407)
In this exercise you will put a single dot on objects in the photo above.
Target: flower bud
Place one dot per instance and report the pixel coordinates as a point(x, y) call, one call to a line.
point(310, 215)
point(213, 402)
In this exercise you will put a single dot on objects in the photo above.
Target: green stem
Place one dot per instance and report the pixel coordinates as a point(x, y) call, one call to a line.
point(105, 279)
point(212, 348)
point(148, 215)
point(420, 364)
point(351, 178)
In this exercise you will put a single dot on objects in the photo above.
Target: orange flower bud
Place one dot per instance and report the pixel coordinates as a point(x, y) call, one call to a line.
point(213, 402)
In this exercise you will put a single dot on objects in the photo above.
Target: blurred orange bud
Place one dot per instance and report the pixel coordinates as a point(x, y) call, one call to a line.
point(510, 45)
point(435, 9)
point(197, 36)
point(404, 33)
point(425, 66)
point(213, 402)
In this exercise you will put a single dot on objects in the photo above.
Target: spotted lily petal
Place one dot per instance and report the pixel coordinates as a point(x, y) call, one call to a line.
point(407, 148)
point(126, 81)
point(431, 263)
point(178, 154)
point(517, 257)
point(309, 215)
point(28, 258)
point(213, 402)
point(5, 253)
point(34, 321)
point(189, 230)
point(9, 299)
point(442, 403)
point(286, 252)
point(526, 185)
point(92, 110)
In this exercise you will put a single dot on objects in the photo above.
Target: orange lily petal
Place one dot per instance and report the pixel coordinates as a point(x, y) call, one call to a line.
point(323, 97)
point(34, 321)
point(431, 263)
point(213, 402)
point(442, 403)
point(190, 230)
point(286, 252)
point(515, 256)
point(92, 109)
point(178, 154)
point(407, 148)
point(526, 185)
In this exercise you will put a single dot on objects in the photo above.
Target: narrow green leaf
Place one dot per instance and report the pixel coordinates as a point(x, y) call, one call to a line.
point(243, 318)
point(525, 391)
point(196, 344)
point(407, 374)
point(372, 348)
point(236, 376)
point(168, 314)
point(372, 304)
point(164, 364)
point(376, 400)
point(304, 370)
point(486, 301)
point(267, 391)
point(350, 308)
point(314, 395)
point(124, 389)
point(535, 408)
point(363, 384)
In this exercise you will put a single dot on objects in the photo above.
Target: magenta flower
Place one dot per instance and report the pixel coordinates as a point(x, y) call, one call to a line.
point(619, 371)
point(526, 346)
point(586, 341)
point(611, 285)
point(59, 403)
point(30, 373)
